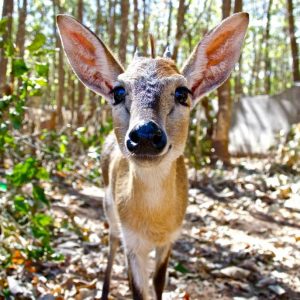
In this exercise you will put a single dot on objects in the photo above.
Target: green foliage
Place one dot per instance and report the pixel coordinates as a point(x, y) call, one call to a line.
point(24, 204)
point(37, 43)
point(19, 67)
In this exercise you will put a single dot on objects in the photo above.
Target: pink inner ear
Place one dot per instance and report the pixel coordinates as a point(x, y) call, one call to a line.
point(85, 43)
point(98, 80)
point(87, 60)
point(196, 85)
point(217, 42)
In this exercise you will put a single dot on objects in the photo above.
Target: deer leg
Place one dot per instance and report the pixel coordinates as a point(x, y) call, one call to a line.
point(137, 274)
point(113, 246)
point(159, 279)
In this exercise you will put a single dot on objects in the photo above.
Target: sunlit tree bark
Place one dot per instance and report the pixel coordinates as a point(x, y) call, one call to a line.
point(20, 40)
point(221, 128)
point(61, 72)
point(145, 37)
point(111, 23)
point(293, 41)
point(238, 89)
point(8, 7)
point(135, 25)
point(124, 31)
point(81, 88)
point(179, 27)
point(169, 21)
point(267, 46)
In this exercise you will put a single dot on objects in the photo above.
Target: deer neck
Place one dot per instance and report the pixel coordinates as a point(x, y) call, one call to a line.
point(153, 184)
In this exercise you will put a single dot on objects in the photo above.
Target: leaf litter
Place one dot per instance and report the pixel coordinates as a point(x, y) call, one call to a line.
point(240, 240)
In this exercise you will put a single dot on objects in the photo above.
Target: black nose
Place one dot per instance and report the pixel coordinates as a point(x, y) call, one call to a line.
point(146, 138)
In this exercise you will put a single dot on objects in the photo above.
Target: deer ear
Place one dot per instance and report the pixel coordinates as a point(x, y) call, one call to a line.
point(90, 59)
point(214, 57)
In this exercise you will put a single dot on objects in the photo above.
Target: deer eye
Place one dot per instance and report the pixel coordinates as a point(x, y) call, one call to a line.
point(119, 94)
point(181, 95)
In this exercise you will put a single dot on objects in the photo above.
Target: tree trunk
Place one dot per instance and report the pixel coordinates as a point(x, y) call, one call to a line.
point(267, 56)
point(8, 7)
point(71, 95)
point(238, 88)
point(145, 28)
point(111, 23)
point(135, 25)
point(221, 129)
point(179, 27)
point(293, 41)
point(81, 88)
point(98, 17)
point(93, 98)
point(124, 31)
point(20, 39)
point(238, 6)
point(169, 22)
point(61, 74)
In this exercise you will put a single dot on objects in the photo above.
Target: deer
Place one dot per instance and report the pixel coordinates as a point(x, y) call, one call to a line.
point(143, 166)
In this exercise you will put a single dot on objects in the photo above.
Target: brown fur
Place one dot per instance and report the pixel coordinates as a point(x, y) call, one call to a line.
point(146, 195)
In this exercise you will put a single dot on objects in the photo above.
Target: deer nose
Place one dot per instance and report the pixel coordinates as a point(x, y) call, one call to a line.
point(146, 138)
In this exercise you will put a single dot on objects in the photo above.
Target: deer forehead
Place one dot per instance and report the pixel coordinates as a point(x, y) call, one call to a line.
point(154, 72)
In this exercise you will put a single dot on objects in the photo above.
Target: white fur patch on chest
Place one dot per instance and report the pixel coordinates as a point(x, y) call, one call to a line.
point(153, 178)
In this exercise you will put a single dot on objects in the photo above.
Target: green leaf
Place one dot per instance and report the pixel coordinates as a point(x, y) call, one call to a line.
point(19, 67)
point(42, 69)
point(3, 187)
point(42, 174)
point(9, 49)
point(3, 26)
point(38, 194)
point(16, 120)
point(180, 268)
point(42, 220)
point(23, 172)
point(37, 43)
point(41, 82)
point(21, 205)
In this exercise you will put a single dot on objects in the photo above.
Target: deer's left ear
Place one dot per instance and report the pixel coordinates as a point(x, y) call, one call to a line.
point(214, 57)
point(91, 60)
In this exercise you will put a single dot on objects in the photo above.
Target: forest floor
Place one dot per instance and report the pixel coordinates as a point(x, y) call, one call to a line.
point(240, 240)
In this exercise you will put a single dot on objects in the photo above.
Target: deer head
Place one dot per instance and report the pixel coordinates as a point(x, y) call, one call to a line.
point(151, 100)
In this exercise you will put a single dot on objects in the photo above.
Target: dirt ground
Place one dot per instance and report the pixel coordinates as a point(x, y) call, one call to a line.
point(240, 240)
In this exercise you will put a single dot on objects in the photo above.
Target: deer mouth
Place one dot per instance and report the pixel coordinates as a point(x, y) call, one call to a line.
point(147, 158)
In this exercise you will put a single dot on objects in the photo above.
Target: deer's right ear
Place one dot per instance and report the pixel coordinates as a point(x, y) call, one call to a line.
point(90, 59)
point(214, 57)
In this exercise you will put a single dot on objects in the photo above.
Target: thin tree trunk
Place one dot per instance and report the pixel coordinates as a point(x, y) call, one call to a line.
point(20, 39)
point(71, 95)
point(93, 98)
point(124, 31)
point(135, 25)
point(179, 27)
point(98, 17)
point(267, 56)
point(61, 74)
point(169, 22)
point(293, 41)
point(81, 88)
point(221, 129)
point(238, 6)
point(111, 23)
point(8, 7)
point(145, 28)
point(254, 66)
point(238, 88)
